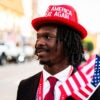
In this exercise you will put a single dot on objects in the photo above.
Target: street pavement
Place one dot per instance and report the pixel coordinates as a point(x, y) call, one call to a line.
point(12, 74)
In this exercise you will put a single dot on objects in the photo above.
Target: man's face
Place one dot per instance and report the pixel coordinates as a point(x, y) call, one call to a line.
point(47, 50)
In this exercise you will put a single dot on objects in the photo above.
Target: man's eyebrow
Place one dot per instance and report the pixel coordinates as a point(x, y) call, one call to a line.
point(44, 32)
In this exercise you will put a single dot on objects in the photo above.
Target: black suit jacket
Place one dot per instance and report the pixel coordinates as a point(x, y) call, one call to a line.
point(28, 88)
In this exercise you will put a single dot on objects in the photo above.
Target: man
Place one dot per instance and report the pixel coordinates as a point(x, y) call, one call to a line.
point(59, 49)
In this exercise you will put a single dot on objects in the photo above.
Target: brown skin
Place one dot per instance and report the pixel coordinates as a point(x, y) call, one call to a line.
point(49, 53)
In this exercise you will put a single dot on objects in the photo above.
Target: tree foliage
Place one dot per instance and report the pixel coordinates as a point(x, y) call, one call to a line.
point(88, 45)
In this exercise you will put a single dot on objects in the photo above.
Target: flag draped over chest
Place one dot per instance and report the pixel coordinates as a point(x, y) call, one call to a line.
point(83, 82)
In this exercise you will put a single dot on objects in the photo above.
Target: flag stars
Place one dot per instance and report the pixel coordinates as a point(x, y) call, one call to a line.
point(96, 76)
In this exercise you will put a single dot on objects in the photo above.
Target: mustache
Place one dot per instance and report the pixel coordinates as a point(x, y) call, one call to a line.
point(39, 49)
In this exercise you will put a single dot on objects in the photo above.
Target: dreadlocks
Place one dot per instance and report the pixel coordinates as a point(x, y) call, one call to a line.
point(72, 45)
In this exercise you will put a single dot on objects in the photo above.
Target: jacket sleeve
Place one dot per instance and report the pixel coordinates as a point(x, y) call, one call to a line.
point(27, 88)
point(20, 91)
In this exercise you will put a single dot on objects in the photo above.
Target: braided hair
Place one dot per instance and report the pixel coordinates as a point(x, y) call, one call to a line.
point(72, 45)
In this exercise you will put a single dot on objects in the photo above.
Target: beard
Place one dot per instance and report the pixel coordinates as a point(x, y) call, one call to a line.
point(47, 51)
point(43, 62)
point(48, 63)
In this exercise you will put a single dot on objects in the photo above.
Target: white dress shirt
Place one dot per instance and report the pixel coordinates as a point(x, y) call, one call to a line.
point(61, 76)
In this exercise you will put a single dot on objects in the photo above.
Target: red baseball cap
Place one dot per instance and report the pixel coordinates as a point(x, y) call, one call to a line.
point(60, 14)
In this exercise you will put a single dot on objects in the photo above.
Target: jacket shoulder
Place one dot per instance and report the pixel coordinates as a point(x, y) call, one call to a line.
point(27, 88)
point(31, 79)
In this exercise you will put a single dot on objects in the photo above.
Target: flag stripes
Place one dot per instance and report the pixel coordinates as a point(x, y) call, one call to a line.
point(84, 92)
point(79, 85)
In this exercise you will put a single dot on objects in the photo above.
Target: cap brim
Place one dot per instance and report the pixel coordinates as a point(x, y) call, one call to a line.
point(36, 23)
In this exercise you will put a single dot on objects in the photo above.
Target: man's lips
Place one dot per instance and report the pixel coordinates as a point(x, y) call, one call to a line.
point(41, 51)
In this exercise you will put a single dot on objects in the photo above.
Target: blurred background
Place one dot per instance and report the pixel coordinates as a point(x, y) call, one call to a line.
point(17, 38)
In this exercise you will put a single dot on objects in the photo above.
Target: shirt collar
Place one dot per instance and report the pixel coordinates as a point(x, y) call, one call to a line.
point(61, 76)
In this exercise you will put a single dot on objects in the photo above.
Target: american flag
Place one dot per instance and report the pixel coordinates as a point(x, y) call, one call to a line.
point(83, 83)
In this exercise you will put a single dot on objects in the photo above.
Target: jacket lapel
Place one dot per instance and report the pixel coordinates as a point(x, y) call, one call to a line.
point(35, 85)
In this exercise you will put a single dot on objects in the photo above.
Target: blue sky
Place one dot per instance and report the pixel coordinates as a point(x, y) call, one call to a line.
point(88, 11)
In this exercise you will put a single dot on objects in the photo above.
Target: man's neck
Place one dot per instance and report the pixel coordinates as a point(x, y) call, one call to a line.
point(56, 68)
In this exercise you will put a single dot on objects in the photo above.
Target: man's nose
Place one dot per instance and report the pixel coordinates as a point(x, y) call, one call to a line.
point(40, 42)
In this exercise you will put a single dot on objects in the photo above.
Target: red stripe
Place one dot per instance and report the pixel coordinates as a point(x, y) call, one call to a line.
point(76, 81)
point(89, 88)
point(87, 62)
point(83, 77)
point(90, 69)
point(69, 85)
point(90, 59)
point(76, 97)
point(83, 93)
point(63, 93)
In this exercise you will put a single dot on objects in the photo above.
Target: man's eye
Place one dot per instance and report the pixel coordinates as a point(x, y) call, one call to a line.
point(48, 37)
